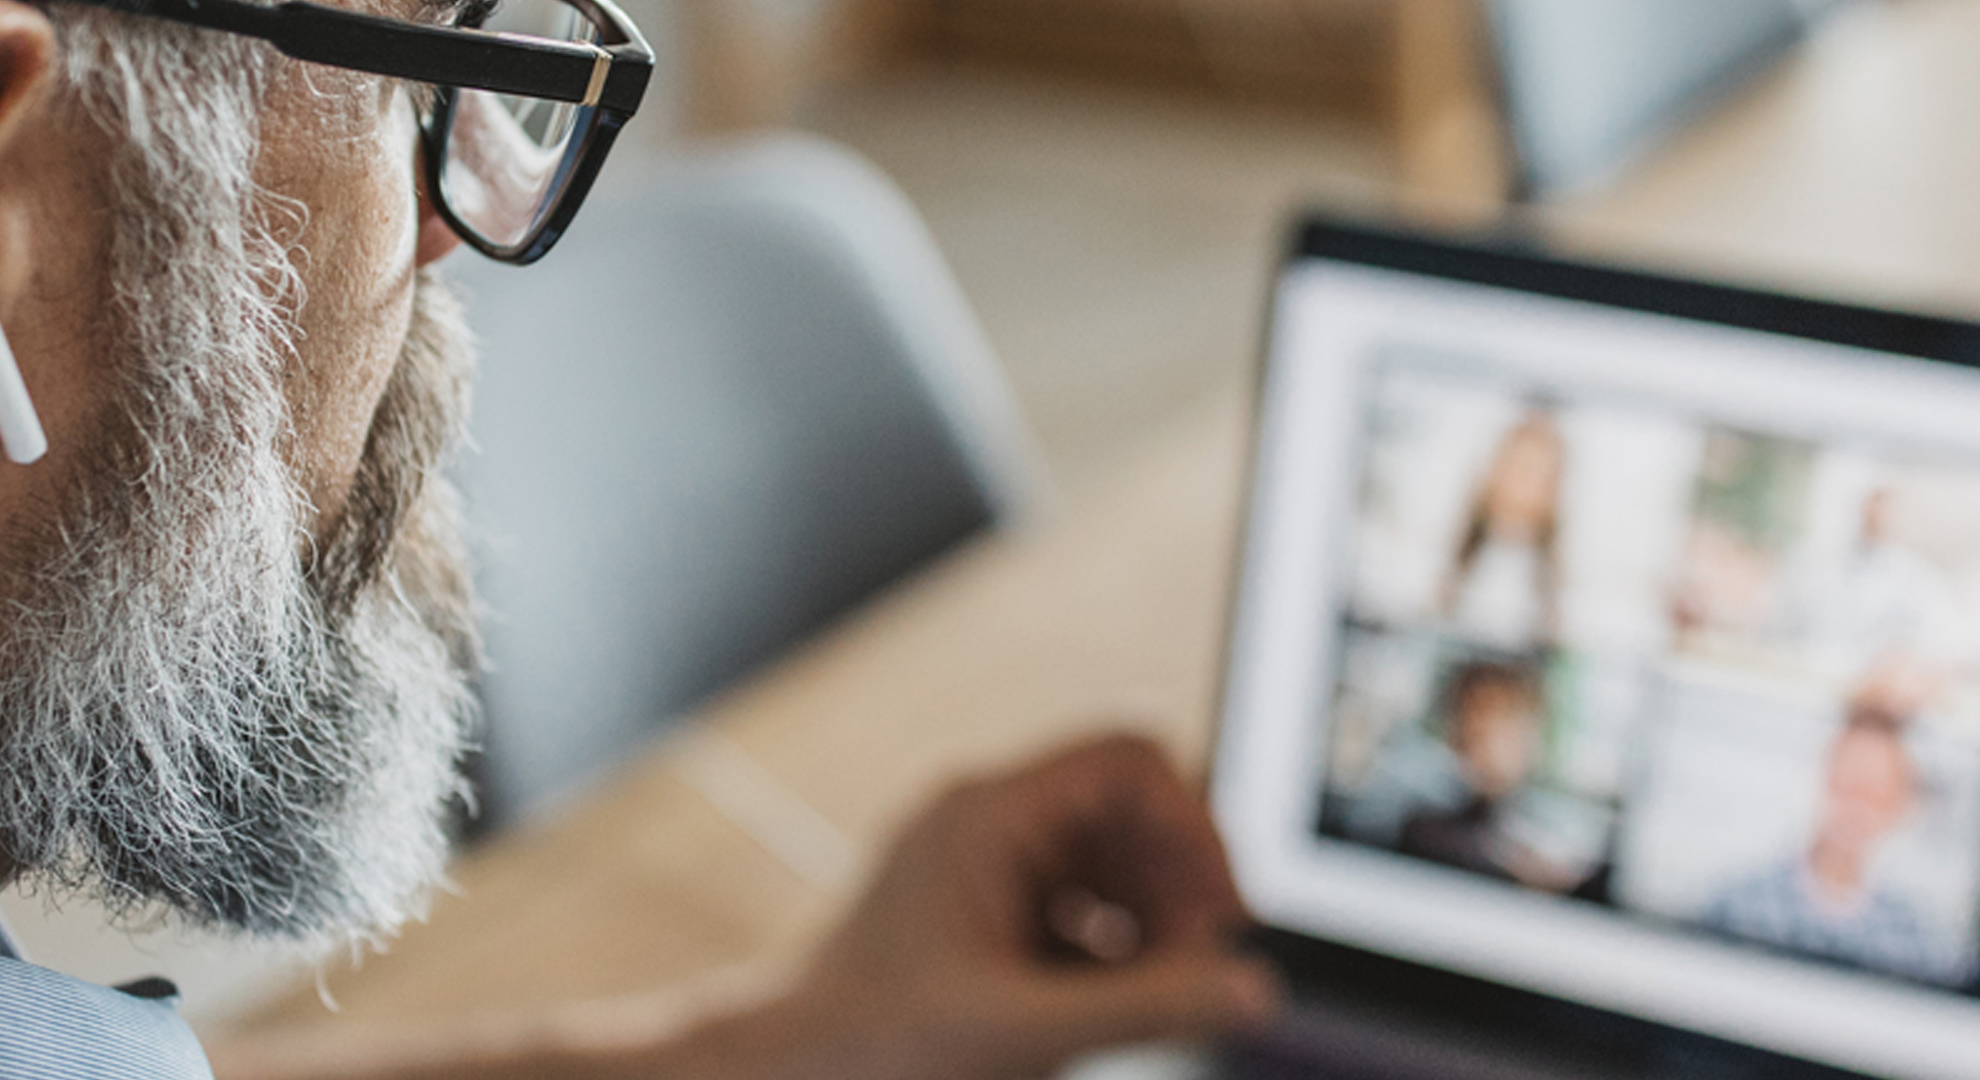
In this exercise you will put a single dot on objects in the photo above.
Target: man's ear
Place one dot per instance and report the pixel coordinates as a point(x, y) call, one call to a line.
point(27, 49)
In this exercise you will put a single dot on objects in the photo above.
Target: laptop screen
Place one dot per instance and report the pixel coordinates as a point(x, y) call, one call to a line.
point(1609, 638)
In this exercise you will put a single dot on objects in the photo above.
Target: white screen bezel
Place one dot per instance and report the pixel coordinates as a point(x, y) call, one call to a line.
point(1331, 319)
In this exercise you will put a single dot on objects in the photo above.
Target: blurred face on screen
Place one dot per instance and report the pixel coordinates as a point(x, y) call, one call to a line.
point(1523, 486)
point(1869, 791)
point(1878, 512)
point(1497, 735)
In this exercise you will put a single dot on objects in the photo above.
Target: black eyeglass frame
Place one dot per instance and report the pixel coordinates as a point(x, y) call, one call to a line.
point(607, 79)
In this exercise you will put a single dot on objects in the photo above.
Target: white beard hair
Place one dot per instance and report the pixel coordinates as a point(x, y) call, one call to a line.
point(202, 713)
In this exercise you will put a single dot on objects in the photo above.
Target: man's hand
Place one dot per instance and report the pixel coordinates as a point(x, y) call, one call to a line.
point(1079, 903)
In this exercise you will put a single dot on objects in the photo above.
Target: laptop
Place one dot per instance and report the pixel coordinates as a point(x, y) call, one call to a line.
point(1603, 695)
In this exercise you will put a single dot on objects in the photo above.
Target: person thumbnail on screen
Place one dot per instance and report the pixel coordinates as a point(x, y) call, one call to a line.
point(1456, 761)
point(1515, 515)
point(1817, 560)
point(1826, 898)
point(1752, 495)
point(1492, 727)
point(1502, 586)
point(1886, 593)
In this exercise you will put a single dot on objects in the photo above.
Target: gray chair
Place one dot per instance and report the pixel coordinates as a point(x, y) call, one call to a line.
point(721, 413)
point(1592, 85)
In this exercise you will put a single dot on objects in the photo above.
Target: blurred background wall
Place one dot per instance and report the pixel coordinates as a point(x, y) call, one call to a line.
point(1108, 178)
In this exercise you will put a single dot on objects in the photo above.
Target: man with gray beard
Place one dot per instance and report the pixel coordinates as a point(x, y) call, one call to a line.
point(235, 627)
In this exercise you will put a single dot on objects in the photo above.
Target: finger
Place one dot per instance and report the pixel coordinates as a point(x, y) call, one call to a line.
point(1176, 998)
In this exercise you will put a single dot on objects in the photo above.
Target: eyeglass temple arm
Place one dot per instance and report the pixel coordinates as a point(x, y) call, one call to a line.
point(613, 77)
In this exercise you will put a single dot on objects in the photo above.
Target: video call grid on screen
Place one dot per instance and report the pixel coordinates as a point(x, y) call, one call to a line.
point(1621, 657)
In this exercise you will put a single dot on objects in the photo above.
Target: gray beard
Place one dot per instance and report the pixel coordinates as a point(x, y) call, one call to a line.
point(204, 709)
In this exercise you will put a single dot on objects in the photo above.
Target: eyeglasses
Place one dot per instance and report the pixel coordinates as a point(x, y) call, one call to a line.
point(528, 96)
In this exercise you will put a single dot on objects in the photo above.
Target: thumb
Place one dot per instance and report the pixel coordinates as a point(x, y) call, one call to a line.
point(1182, 996)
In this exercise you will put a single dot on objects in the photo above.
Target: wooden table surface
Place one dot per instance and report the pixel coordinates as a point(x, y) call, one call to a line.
point(738, 840)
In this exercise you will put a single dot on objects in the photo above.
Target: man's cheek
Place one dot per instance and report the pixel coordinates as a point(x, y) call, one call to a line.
point(399, 128)
point(350, 163)
point(332, 137)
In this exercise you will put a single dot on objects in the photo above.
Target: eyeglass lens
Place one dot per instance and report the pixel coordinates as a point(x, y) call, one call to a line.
point(508, 157)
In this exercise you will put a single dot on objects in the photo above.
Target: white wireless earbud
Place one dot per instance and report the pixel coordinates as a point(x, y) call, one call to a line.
point(20, 428)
